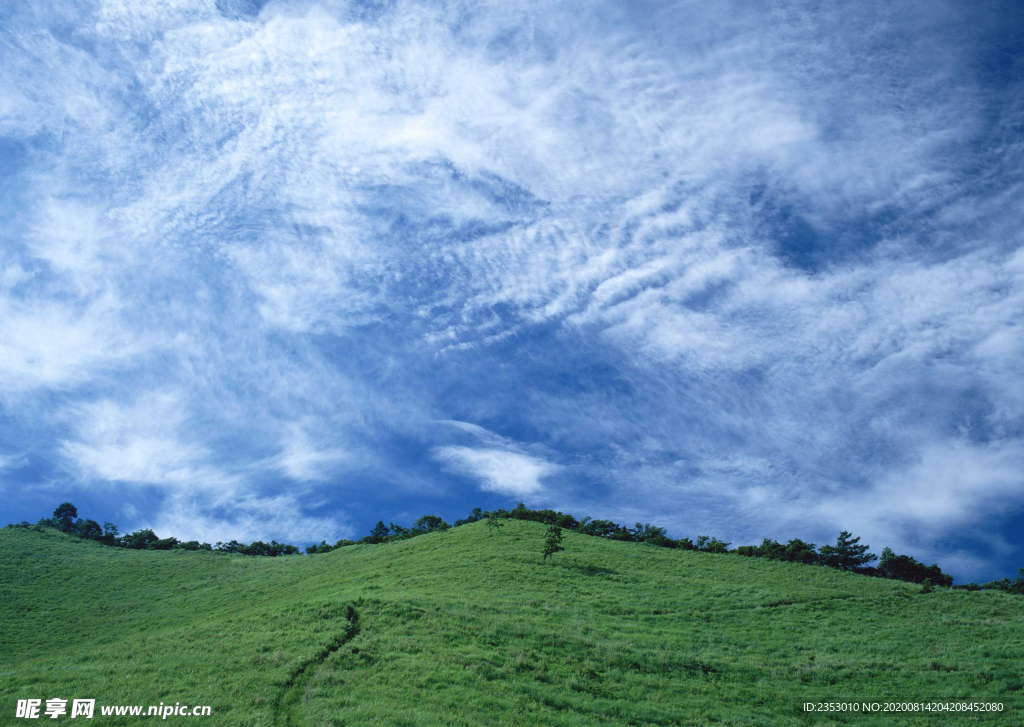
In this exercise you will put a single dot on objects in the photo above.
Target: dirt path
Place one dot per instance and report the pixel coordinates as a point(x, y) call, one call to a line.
point(287, 706)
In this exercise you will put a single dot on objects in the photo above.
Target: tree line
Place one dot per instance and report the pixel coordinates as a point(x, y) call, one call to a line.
point(848, 553)
point(65, 518)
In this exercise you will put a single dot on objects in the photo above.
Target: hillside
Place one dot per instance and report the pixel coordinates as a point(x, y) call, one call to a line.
point(466, 627)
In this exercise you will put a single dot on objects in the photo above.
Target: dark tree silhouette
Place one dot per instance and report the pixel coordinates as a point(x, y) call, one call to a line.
point(1016, 586)
point(430, 524)
point(652, 534)
point(771, 549)
point(604, 529)
point(379, 534)
point(905, 568)
point(64, 516)
point(88, 529)
point(708, 544)
point(846, 554)
point(797, 551)
point(140, 539)
point(110, 533)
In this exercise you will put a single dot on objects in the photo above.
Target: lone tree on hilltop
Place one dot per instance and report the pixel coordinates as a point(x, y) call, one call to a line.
point(553, 541)
point(64, 516)
point(846, 554)
point(493, 523)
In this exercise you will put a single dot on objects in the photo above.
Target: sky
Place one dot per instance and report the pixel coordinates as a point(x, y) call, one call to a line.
point(282, 269)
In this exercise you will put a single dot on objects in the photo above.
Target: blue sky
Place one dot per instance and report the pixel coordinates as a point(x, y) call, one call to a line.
point(277, 270)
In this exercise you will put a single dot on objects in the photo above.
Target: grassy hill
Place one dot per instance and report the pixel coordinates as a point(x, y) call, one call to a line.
point(465, 627)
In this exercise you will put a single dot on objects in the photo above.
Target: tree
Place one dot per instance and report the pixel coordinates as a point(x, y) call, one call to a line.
point(552, 542)
point(905, 568)
point(379, 534)
point(321, 547)
point(430, 524)
point(164, 544)
point(256, 547)
point(647, 533)
point(846, 554)
point(771, 549)
point(140, 539)
point(604, 529)
point(708, 544)
point(797, 551)
point(88, 529)
point(1016, 586)
point(64, 516)
point(563, 520)
point(110, 533)
point(493, 523)
point(474, 516)
point(272, 549)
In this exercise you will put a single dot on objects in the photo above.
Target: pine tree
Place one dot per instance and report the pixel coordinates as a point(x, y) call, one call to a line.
point(379, 534)
point(846, 554)
point(553, 541)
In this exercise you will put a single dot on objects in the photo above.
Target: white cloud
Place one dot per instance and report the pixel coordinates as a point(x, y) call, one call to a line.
point(53, 344)
point(305, 460)
point(245, 518)
point(507, 473)
point(951, 484)
point(13, 461)
point(144, 443)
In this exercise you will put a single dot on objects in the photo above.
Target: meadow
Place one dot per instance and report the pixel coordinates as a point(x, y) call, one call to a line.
point(469, 627)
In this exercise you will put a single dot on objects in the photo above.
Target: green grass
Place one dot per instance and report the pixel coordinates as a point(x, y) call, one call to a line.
point(471, 628)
